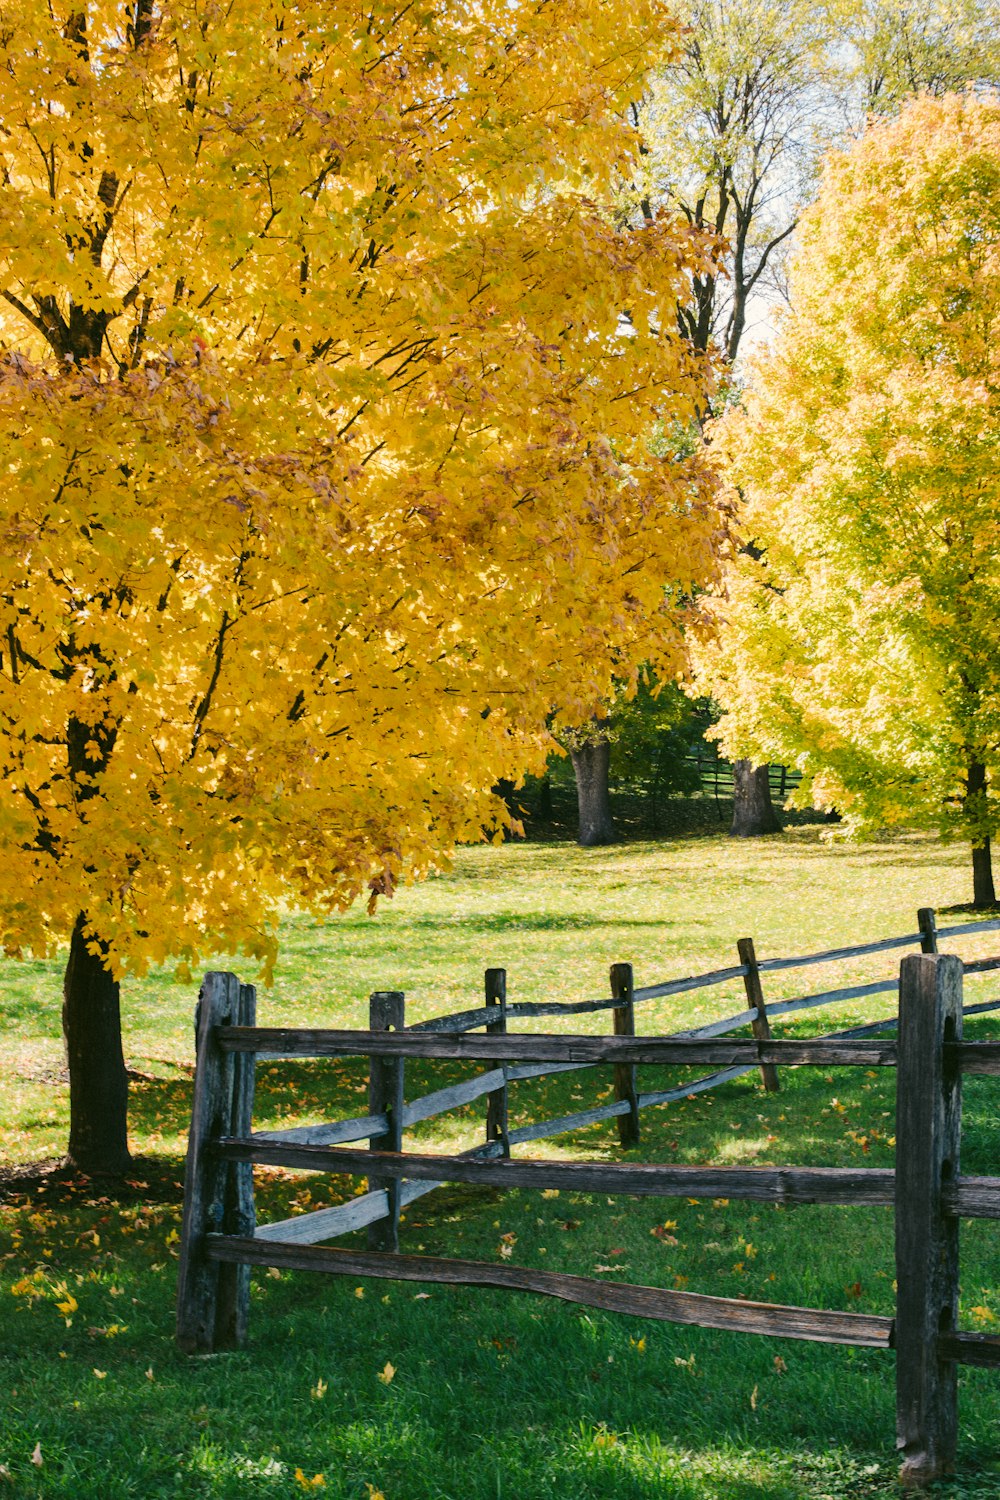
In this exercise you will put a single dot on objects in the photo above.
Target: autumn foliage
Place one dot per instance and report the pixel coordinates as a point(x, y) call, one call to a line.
point(326, 392)
point(860, 638)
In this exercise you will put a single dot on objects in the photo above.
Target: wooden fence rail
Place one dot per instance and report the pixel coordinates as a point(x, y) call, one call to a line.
point(221, 1239)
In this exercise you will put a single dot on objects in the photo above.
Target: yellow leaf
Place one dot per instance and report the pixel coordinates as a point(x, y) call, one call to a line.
point(317, 1482)
point(386, 1374)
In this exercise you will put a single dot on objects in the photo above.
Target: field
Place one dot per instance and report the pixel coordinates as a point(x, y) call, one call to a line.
point(360, 1390)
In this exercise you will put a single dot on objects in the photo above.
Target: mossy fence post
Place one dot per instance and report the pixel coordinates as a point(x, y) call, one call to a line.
point(928, 1133)
point(760, 1025)
point(387, 1012)
point(496, 1099)
point(212, 1300)
point(622, 990)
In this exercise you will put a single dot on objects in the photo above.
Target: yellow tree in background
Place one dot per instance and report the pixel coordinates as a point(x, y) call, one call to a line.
point(325, 464)
point(861, 633)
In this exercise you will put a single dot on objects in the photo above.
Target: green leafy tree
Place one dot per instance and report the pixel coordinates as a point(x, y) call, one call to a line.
point(860, 624)
point(737, 124)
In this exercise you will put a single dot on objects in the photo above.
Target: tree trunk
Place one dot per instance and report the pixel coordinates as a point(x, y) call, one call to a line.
point(753, 810)
point(98, 1083)
point(983, 891)
point(591, 762)
point(984, 896)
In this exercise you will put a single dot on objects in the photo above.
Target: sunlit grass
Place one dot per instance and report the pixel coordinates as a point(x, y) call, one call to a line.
point(494, 1394)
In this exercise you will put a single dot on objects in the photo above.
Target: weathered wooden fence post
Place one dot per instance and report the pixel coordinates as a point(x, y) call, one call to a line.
point(928, 1133)
point(760, 1026)
point(496, 1099)
point(211, 1309)
point(239, 1215)
point(622, 987)
point(387, 1009)
point(927, 923)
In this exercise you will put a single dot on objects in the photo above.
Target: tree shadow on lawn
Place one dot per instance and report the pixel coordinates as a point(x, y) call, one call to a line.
point(517, 921)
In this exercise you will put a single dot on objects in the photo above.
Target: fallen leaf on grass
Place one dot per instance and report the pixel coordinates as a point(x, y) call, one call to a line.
point(36, 1457)
point(386, 1374)
point(317, 1482)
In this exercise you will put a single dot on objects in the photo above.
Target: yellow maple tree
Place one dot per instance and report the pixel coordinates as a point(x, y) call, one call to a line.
point(325, 387)
point(859, 636)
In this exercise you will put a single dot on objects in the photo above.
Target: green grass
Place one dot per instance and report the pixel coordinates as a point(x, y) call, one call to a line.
point(496, 1394)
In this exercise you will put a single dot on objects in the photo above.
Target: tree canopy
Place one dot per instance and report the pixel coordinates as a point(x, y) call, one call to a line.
point(327, 476)
point(860, 616)
point(312, 362)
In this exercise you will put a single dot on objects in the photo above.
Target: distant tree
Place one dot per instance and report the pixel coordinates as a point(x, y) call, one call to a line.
point(646, 738)
point(894, 49)
point(736, 125)
point(860, 631)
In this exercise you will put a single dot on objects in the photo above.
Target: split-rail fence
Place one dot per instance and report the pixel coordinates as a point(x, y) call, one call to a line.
point(221, 1239)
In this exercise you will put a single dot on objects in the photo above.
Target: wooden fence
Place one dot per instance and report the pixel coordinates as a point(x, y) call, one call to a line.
point(717, 777)
point(221, 1239)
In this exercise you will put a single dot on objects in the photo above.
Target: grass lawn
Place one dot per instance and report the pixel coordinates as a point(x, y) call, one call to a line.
point(357, 1390)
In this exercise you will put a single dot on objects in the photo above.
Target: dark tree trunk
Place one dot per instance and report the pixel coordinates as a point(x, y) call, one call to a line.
point(98, 1083)
point(753, 810)
point(983, 891)
point(591, 762)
